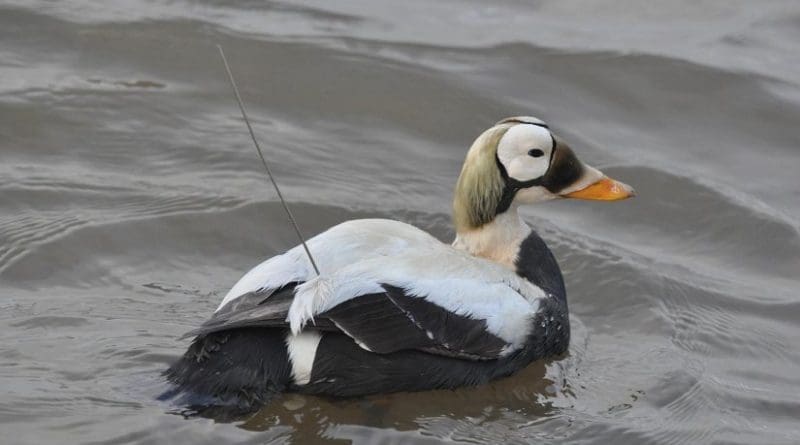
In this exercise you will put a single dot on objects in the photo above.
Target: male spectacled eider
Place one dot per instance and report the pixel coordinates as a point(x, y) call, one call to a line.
point(395, 309)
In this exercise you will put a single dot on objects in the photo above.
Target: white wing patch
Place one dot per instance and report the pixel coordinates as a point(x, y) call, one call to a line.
point(302, 352)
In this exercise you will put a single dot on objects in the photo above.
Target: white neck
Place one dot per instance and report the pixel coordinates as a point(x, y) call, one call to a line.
point(498, 241)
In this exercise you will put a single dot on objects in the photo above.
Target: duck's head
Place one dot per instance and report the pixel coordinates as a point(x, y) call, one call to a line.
point(520, 161)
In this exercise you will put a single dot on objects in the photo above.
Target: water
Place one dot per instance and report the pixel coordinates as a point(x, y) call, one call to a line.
point(131, 200)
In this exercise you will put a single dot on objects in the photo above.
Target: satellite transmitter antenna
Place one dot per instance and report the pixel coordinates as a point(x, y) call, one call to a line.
point(264, 160)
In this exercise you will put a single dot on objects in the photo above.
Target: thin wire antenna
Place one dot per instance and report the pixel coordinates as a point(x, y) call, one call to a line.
point(264, 160)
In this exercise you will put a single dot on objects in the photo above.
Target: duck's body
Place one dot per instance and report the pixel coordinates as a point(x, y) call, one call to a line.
point(395, 309)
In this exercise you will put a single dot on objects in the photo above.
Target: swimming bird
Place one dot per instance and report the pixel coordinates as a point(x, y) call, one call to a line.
point(395, 309)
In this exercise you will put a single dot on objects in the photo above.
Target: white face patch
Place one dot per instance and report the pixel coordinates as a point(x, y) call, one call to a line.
point(515, 147)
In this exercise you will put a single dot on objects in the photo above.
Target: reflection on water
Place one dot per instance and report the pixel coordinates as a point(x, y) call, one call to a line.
point(497, 405)
point(131, 199)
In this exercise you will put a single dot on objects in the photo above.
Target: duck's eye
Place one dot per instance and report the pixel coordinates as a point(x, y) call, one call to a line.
point(535, 152)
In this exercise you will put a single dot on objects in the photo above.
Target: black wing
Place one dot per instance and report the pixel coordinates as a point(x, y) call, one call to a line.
point(262, 308)
point(394, 321)
point(381, 322)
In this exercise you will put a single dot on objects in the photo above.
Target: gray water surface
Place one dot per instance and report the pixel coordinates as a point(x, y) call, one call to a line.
point(131, 199)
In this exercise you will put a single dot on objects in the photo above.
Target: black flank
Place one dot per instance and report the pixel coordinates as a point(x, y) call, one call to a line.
point(240, 369)
point(343, 369)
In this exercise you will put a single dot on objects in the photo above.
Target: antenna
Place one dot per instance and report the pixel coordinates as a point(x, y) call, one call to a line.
point(263, 160)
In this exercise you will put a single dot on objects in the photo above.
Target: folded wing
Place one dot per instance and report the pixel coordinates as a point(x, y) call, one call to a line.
point(412, 295)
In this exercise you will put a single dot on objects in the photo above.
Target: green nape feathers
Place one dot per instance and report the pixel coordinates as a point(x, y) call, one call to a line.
point(480, 186)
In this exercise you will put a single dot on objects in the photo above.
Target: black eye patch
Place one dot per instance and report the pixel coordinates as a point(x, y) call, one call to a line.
point(535, 152)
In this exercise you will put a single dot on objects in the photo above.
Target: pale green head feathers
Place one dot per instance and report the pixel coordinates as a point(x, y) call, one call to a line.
point(480, 186)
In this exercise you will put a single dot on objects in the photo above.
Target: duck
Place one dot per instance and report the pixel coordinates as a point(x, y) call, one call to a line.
point(395, 309)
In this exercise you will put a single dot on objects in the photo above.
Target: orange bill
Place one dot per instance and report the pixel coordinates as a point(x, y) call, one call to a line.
point(605, 189)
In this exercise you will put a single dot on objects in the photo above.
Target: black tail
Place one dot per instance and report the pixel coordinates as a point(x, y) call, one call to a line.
point(237, 370)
